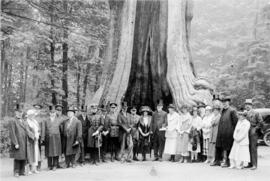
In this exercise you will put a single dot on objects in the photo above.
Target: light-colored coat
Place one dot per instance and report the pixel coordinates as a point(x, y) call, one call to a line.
point(240, 134)
point(172, 133)
point(240, 148)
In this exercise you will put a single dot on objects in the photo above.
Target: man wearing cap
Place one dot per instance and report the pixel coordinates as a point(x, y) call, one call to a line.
point(19, 134)
point(40, 119)
point(113, 128)
point(133, 121)
point(125, 134)
point(158, 127)
point(53, 145)
point(72, 134)
point(96, 123)
point(255, 120)
point(85, 126)
point(224, 142)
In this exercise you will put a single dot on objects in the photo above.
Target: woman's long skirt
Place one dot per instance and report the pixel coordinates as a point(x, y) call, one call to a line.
point(182, 147)
point(240, 152)
point(170, 143)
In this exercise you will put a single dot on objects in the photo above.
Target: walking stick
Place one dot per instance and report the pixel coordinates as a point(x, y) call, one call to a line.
point(99, 147)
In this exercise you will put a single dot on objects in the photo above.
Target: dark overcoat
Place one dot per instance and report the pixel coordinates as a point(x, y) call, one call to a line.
point(53, 145)
point(96, 123)
point(20, 134)
point(72, 134)
point(228, 121)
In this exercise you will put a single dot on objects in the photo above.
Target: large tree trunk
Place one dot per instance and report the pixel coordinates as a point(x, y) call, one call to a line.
point(154, 60)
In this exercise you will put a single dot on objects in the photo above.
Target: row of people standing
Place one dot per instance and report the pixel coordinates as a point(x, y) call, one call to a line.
point(218, 134)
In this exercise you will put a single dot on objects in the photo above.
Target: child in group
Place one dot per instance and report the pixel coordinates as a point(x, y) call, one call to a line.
point(240, 156)
point(194, 137)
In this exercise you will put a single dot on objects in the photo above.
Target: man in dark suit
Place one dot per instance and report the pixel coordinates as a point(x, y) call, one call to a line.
point(85, 126)
point(19, 134)
point(255, 120)
point(224, 142)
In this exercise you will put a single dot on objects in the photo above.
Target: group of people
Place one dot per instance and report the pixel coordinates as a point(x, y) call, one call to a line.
point(215, 134)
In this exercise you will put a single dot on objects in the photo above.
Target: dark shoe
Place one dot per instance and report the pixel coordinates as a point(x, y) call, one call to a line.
point(253, 168)
point(144, 159)
point(156, 159)
point(215, 164)
point(249, 166)
point(135, 158)
point(129, 161)
point(104, 161)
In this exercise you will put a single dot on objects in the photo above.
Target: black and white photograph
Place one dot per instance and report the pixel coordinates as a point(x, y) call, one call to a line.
point(135, 90)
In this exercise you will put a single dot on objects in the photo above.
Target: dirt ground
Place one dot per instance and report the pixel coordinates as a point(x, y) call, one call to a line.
point(146, 171)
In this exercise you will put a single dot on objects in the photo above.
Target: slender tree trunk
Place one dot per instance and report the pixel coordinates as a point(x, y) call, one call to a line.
point(26, 73)
point(65, 62)
point(78, 83)
point(52, 51)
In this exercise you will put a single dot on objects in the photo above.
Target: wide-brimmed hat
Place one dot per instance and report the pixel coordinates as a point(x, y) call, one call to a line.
point(226, 98)
point(242, 113)
point(145, 109)
point(201, 105)
point(249, 101)
point(171, 106)
point(113, 104)
point(133, 108)
point(58, 106)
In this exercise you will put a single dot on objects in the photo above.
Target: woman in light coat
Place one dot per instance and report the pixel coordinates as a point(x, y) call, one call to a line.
point(173, 119)
point(34, 126)
point(184, 129)
point(213, 136)
point(239, 155)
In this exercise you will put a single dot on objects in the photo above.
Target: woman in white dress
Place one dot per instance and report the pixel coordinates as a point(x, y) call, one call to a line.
point(184, 129)
point(239, 155)
point(194, 145)
point(34, 125)
point(173, 119)
point(206, 129)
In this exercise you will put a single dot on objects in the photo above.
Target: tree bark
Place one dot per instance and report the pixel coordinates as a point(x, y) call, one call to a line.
point(120, 79)
point(52, 51)
point(65, 62)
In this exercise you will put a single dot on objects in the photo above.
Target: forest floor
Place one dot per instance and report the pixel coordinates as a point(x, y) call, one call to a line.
point(146, 171)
